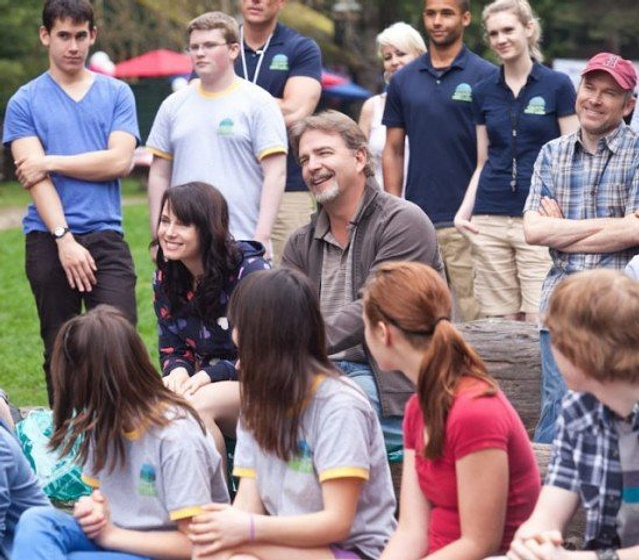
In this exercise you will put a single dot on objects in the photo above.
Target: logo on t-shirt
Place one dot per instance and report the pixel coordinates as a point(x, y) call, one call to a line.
point(536, 106)
point(225, 128)
point(147, 481)
point(302, 463)
point(279, 62)
point(463, 92)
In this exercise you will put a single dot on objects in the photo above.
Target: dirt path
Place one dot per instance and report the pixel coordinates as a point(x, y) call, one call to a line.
point(12, 217)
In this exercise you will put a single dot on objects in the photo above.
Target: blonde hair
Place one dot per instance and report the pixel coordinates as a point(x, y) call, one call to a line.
point(401, 36)
point(524, 13)
point(216, 20)
point(594, 321)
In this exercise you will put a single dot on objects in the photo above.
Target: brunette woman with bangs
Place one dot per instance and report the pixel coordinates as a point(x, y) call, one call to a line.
point(199, 265)
point(140, 443)
point(470, 476)
point(310, 455)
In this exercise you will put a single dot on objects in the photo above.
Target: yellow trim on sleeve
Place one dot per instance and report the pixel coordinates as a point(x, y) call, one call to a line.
point(92, 482)
point(241, 472)
point(271, 151)
point(185, 512)
point(159, 153)
point(344, 472)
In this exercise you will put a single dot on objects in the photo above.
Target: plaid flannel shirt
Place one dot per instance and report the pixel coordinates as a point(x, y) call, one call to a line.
point(585, 460)
point(586, 186)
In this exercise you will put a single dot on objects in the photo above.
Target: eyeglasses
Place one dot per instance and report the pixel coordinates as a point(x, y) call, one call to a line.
point(206, 47)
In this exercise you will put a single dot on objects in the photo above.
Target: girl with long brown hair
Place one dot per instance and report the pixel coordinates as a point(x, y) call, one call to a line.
point(469, 475)
point(141, 445)
point(314, 480)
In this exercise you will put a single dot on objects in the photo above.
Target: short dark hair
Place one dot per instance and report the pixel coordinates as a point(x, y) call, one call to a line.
point(463, 5)
point(78, 11)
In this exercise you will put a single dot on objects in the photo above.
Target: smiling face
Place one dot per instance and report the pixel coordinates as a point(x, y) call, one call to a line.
point(601, 104)
point(445, 22)
point(507, 36)
point(179, 241)
point(212, 55)
point(394, 59)
point(68, 44)
point(329, 167)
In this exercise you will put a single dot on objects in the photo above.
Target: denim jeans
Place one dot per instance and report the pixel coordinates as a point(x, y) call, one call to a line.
point(553, 390)
point(362, 374)
point(44, 533)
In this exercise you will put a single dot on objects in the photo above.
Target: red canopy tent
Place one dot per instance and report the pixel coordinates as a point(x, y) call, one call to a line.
point(154, 64)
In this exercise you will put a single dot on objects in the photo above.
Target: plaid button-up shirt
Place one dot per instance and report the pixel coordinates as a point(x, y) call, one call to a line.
point(600, 185)
point(585, 460)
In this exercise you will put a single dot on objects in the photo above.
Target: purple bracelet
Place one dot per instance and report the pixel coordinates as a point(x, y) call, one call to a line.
point(251, 527)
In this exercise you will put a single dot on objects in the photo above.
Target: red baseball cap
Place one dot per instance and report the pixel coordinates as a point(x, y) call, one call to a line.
point(623, 71)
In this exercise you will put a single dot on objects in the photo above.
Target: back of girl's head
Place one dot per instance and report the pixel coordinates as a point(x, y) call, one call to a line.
point(403, 37)
point(522, 10)
point(281, 343)
point(413, 298)
point(594, 321)
point(104, 384)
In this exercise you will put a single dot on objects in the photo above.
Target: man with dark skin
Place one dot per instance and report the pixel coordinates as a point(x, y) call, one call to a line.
point(430, 102)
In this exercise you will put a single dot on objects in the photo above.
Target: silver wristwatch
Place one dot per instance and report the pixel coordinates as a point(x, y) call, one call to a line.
point(60, 232)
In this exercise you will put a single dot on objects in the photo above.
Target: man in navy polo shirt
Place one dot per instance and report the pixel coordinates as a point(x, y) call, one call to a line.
point(288, 66)
point(430, 100)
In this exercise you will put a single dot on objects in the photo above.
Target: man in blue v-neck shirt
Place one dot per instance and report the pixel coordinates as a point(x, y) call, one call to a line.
point(430, 101)
point(72, 134)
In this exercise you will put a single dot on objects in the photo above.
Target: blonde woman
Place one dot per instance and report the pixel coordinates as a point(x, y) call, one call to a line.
point(516, 113)
point(397, 45)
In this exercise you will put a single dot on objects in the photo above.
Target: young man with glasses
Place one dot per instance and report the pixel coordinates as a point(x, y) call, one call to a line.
point(221, 130)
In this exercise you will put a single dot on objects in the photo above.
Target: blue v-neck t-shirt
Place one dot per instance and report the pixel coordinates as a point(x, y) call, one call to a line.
point(68, 127)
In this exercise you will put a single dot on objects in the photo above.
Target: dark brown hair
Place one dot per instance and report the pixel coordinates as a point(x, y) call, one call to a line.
point(78, 11)
point(281, 344)
point(594, 322)
point(104, 386)
point(203, 206)
point(414, 298)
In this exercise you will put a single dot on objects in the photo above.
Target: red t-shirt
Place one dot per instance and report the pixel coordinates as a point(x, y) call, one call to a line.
point(474, 423)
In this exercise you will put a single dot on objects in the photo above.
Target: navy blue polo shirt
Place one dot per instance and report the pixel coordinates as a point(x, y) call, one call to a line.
point(289, 54)
point(517, 129)
point(434, 107)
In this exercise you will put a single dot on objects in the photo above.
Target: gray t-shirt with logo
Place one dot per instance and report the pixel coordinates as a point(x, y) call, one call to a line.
point(339, 437)
point(169, 474)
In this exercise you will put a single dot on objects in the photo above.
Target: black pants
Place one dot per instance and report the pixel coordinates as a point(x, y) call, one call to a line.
point(57, 302)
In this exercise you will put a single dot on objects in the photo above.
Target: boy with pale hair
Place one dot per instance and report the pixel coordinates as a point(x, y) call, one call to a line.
point(594, 323)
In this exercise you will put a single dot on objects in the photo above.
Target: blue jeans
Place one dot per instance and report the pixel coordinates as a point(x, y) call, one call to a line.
point(553, 390)
point(391, 425)
point(44, 533)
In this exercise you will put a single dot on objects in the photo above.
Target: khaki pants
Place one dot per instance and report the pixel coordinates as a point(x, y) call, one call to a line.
point(295, 211)
point(509, 272)
point(455, 250)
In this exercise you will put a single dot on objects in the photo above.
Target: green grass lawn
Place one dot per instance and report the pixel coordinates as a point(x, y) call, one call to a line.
point(21, 372)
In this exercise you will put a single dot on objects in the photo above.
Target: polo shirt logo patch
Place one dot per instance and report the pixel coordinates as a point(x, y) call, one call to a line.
point(279, 62)
point(302, 463)
point(536, 106)
point(147, 481)
point(225, 128)
point(463, 92)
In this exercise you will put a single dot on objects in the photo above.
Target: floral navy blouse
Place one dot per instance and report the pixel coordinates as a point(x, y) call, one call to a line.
point(186, 341)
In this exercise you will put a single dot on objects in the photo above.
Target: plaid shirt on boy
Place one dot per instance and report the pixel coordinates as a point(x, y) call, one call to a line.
point(585, 460)
point(585, 185)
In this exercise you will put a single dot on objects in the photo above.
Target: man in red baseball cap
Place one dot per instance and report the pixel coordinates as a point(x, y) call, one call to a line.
point(583, 197)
